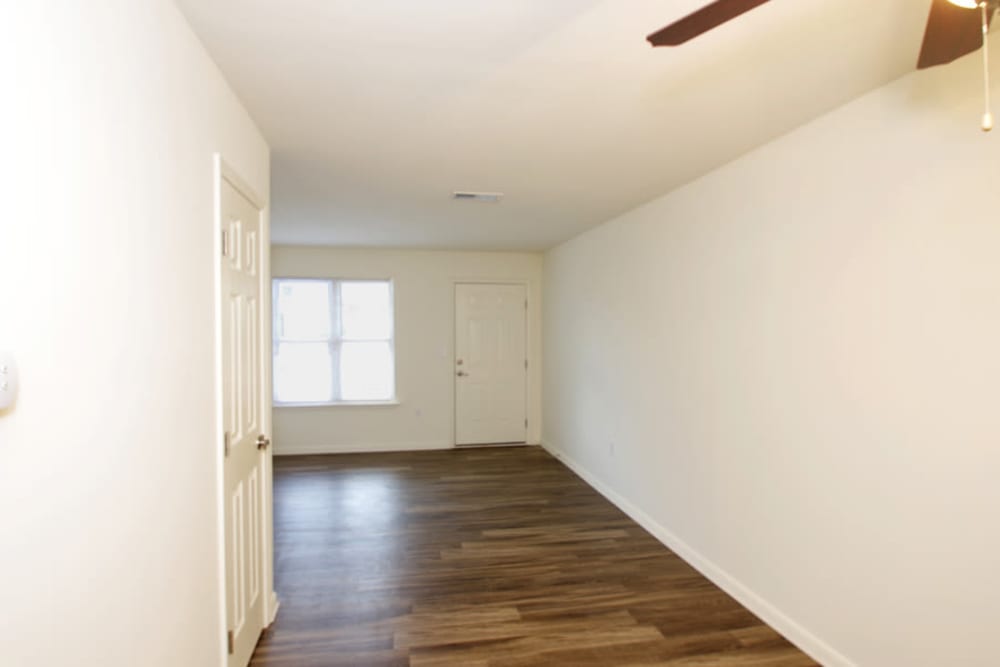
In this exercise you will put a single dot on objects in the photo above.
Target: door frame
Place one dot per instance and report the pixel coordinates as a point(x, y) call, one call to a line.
point(223, 172)
point(454, 347)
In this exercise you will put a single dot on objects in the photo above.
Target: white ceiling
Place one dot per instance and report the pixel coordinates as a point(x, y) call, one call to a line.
point(376, 110)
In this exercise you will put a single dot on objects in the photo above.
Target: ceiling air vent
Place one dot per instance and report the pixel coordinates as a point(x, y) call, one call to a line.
point(492, 197)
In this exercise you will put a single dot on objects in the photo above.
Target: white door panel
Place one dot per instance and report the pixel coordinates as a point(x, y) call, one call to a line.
point(490, 364)
point(242, 393)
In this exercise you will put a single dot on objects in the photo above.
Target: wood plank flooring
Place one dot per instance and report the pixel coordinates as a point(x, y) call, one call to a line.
point(485, 558)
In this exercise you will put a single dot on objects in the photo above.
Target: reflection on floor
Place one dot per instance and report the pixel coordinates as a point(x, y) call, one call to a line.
point(484, 557)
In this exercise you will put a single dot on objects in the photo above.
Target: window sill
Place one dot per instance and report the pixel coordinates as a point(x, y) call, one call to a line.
point(338, 404)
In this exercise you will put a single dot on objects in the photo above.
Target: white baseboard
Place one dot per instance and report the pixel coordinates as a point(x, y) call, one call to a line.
point(272, 606)
point(295, 450)
point(815, 647)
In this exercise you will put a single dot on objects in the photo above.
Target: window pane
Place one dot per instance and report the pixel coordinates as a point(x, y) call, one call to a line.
point(303, 373)
point(366, 310)
point(366, 372)
point(302, 310)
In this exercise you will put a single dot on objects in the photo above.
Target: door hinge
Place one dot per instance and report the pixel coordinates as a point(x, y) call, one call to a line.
point(526, 304)
point(226, 442)
point(525, 423)
point(230, 642)
point(225, 243)
point(525, 364)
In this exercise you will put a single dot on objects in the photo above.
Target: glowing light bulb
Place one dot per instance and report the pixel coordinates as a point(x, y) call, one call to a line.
point(987, 122)
point(967, 4)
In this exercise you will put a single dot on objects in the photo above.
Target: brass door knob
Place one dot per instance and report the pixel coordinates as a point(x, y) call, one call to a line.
point(461, 374)
point(262, 442)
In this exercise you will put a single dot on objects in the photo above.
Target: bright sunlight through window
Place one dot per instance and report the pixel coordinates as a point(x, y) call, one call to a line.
point(333, 341)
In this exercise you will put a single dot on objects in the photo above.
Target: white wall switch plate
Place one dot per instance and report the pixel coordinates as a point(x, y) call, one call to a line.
point(8, 381)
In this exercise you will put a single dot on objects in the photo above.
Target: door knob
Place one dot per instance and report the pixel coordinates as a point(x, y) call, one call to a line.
point(262, 442)
point(461, 374)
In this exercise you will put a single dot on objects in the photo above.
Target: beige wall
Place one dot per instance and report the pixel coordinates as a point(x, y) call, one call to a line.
point(790, 371)
point(108, 464)
point(424, 285)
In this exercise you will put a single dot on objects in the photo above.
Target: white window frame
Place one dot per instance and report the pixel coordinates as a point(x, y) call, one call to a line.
point(335, 340)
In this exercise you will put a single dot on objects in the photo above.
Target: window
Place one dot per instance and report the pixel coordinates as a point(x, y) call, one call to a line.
point(333, 341)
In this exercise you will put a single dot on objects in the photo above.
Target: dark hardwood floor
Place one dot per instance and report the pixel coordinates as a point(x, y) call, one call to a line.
point(485, 557)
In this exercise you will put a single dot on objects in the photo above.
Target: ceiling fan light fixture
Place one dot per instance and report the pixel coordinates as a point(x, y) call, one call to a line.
point(967, 4)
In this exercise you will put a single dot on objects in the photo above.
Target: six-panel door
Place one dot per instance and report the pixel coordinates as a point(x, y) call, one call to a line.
point(242, 399)
point(490, 363)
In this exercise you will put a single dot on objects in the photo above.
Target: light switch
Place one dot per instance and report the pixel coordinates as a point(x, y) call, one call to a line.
point(8, 381)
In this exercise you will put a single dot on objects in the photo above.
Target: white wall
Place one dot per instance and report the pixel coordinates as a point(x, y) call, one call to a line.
point(796, 362)
point(424, 285)
point(108, 463)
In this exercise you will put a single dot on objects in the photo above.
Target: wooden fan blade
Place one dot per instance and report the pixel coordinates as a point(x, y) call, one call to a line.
point(703, 20)
point(951, 33)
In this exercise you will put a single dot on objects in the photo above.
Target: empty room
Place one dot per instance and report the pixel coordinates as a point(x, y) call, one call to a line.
point(596, 333)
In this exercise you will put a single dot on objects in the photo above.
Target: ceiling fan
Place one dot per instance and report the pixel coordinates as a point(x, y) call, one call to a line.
point(952, 31)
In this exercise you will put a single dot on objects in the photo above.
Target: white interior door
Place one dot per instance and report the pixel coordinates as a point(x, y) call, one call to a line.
point(490, 364)
point(244, 442)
